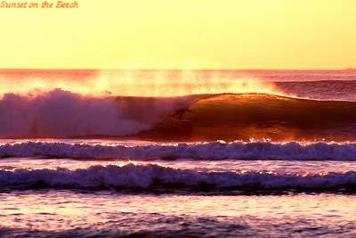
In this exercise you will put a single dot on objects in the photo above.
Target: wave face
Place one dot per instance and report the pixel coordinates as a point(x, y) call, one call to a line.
point(260, 116)
point(153, 178)
point(198, 151)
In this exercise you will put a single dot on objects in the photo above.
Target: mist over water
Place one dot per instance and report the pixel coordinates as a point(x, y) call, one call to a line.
point(62, 104)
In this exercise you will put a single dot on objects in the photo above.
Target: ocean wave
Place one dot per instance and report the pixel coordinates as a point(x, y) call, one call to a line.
point(62, 114)
point(191, 151)
point(242, 117)
point(155, 178)
point(331, 89)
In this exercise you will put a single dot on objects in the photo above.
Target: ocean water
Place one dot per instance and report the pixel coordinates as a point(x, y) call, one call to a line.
point(228, 164)
point(109, 214)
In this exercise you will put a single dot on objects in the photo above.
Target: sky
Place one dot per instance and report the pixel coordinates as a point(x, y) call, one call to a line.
point(182, 34)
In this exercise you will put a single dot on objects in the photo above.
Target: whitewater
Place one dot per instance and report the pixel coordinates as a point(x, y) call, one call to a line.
point(143, 150)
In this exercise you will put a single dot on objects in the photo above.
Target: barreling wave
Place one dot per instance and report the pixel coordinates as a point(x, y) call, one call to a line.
point(189, 151)
point(259, 116)
point(61, 114)
point(154, 178)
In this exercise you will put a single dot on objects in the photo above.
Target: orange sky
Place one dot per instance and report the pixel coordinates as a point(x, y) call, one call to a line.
point(186, 34)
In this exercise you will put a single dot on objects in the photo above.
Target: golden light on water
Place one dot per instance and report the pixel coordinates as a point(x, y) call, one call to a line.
point(138, 83)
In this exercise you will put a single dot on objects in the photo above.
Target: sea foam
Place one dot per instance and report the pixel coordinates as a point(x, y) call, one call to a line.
point(191, 151)
point(154, 177)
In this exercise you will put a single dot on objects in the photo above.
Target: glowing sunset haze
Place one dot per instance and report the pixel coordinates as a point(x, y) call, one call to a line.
point(277, 34)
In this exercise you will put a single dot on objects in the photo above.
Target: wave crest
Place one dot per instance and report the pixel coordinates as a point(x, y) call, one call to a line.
point(196, 151)
point(155, 178)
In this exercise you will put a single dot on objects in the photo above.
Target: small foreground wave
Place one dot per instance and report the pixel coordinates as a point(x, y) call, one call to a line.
point(154, 178)
point(191, 151)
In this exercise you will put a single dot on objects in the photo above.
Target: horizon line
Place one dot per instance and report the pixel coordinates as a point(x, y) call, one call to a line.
point(180, 69)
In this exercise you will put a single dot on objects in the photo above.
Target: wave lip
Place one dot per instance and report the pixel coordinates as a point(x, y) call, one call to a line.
point(152, 178)
point(196, 151)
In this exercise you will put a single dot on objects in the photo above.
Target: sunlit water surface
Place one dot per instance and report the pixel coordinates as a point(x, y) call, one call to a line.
point(279, 166)
point(73, 214)
point(34, 212)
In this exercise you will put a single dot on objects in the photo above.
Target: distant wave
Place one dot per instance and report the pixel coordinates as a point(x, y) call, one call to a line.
point(332, 88)
point(196, 151)
point(151, 178)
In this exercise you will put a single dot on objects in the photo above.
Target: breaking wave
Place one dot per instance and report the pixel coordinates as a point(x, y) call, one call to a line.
point(229, 117)
point(151, 178)
point(260, 116)
point(62, 114)
point(191, 151)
